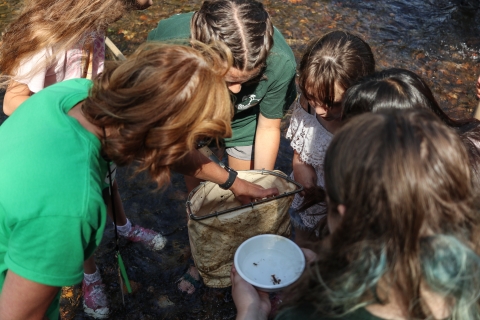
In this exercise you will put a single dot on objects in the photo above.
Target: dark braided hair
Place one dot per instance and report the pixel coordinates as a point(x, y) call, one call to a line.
point(243, 25)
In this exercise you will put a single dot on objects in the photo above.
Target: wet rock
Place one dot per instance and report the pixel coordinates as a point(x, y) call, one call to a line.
point(164, 302)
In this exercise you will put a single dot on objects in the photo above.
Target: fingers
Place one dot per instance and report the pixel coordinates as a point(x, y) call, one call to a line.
point(263, 294)
point(233, 272)
point(271, 192)
point(235, 277)
point(247, 192)
point(310, 256)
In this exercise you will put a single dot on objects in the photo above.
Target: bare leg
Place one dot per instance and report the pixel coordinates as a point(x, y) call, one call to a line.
point(189, 281)
point(89, 266)
point(120, 216)
point(95, 300)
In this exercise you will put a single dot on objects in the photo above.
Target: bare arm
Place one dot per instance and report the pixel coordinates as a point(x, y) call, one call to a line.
point(303, 173)
point(22, 299)
point(197, 165)
point(267, 142)
point(15, 95)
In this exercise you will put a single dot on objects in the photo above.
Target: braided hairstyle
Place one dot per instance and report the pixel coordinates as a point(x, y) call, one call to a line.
point(243, 25)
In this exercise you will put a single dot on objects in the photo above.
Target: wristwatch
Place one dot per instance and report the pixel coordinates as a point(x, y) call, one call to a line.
point(232, 175)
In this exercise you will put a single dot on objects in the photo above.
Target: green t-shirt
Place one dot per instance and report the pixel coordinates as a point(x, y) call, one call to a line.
point(270, 97)
point(52, 214)
point(308, 312)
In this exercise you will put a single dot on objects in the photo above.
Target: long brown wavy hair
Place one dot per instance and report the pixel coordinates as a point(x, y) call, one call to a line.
point(404, 178)
point(244, 26)
point(56, 24)
point(159, 103)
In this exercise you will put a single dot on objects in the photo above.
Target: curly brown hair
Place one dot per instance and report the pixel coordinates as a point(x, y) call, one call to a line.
point(157, 104)
point(243, 25)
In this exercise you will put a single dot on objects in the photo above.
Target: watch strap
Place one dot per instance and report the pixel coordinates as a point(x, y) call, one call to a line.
point(232, 175)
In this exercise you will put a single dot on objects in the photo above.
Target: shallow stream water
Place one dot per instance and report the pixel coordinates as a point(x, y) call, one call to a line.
point(438, 39)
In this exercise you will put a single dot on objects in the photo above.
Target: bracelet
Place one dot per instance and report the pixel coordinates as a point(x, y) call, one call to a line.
point(232, 175)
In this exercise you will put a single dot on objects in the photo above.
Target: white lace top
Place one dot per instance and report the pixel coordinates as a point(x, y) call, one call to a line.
point(310, 140)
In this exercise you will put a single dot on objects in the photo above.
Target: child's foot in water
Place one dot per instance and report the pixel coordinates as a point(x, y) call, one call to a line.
point(190, 281)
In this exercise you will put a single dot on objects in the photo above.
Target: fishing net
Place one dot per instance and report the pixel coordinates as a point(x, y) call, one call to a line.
point(219, 223)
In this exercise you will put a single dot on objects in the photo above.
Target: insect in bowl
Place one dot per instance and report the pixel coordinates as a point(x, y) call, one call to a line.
point(269, 262)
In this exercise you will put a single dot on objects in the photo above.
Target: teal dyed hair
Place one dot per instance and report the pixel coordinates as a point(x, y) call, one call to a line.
point(452, 269)
point(404, 180)
point(345, 292)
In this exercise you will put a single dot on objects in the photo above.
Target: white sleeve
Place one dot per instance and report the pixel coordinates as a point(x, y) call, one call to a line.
point(308, 137)
point(296, 121)
point(32, 71)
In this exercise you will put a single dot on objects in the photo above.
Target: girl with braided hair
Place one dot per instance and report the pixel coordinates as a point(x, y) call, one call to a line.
point(261, 81)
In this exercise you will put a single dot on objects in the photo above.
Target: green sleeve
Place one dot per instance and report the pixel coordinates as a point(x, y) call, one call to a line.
point(280, 73)
point(51, 249)
point(280, 95)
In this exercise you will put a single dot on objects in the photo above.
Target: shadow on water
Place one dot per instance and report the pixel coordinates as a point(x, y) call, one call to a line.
point(438, 39)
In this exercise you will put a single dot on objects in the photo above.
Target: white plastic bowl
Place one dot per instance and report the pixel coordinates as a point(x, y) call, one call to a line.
point(269, 262)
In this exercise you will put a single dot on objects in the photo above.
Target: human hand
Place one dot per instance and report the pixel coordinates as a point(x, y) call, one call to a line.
point(304, 174)
point(251, 304)
point(247, 192)
point(310, 255)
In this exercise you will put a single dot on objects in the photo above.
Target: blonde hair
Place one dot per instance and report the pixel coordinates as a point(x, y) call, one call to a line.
point(56, 24)
point(159, 103)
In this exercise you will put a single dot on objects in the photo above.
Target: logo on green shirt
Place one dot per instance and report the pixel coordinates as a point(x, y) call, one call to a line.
point(248, 102)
